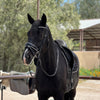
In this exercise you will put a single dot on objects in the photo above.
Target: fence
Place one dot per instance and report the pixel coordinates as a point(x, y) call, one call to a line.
point(7, 76)
point(29, 76)
point(33, 76)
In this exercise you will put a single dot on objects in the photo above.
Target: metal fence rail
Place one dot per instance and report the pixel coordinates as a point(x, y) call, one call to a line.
point(33, 76)
point(13, 77)
point(89, 77)
point(17, 76)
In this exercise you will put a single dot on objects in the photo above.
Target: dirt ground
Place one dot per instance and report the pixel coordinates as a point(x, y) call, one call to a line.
point(86, 90)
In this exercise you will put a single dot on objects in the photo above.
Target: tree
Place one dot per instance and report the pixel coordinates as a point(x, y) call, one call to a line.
point(88, 9)
point(58, 16)
point(70, 19)
point(14, 27)
point(12, 33)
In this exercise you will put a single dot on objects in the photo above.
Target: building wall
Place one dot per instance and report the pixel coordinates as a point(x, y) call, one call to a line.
point(93, 45)
point(89, 59)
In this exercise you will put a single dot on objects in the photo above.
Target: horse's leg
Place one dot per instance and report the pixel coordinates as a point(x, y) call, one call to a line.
point(59, 97)
point(42, 97)
point(66, 96)
point(70, 95)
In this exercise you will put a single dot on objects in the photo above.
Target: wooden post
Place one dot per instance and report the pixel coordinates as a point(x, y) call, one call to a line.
point(38, 12)
point(81, 40)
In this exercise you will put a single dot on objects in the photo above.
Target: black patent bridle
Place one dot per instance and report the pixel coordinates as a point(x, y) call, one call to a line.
point(33, 48)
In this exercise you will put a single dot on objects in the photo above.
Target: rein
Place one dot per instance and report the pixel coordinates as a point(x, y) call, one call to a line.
point(33, 48)
point(52, 75)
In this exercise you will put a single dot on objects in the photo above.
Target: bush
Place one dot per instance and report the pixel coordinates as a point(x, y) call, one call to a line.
point(92, 72)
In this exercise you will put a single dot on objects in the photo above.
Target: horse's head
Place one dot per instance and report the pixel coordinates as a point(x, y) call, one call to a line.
point(37, 38)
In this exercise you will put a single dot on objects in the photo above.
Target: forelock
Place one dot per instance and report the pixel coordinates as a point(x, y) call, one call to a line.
point(36, 23)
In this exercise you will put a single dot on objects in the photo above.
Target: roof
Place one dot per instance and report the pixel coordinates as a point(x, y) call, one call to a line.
point(91, 29)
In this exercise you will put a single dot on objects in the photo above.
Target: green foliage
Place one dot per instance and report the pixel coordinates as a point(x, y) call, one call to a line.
point(13, 33)
point(14, 27)
point(92, 72)
point(58, 16)
point(69, 19)
point(88, 8)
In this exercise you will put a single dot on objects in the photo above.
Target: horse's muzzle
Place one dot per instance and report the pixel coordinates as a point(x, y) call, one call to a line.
point(27, 57)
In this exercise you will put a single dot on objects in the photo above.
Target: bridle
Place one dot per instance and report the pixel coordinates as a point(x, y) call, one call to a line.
point(32, 47)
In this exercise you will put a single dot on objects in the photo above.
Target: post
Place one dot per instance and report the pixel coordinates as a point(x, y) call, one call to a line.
point(81, 40)
point(38, 12)
point(1, 93)
point(2, 88)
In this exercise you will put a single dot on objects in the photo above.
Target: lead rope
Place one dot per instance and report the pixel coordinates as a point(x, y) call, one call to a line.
point(30, 72)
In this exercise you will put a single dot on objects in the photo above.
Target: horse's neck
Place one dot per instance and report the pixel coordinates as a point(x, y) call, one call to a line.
point(48, 59)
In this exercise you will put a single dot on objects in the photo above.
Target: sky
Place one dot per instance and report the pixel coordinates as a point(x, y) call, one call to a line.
point(70, 1)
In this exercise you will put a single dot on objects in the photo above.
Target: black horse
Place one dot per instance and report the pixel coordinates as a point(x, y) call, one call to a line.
point(57, 68)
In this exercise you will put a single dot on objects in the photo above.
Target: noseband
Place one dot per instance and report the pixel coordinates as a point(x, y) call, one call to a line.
point(32, 47)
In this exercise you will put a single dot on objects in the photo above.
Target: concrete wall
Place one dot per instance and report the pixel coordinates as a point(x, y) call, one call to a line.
point(89, 59)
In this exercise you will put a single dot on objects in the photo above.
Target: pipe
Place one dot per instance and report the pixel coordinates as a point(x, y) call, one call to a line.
point(89, 77)
point(17, 76)
point(33, 76)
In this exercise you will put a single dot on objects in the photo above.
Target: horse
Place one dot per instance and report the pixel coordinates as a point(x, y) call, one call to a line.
point(57, 67)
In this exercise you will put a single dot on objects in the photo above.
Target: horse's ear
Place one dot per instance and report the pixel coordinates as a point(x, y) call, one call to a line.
point(43, 20)
point(30, 19)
